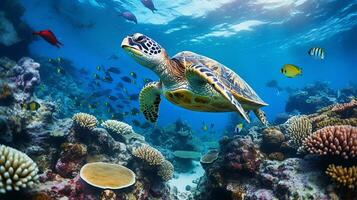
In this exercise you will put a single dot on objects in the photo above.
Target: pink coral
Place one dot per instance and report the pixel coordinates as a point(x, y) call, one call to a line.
point(333, 140)
point(344, 106)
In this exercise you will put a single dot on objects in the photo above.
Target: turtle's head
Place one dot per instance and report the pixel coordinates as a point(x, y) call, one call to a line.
point(144, 50)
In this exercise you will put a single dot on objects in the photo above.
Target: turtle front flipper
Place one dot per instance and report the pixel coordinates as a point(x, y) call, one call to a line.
point(201, 75)
point(261, 116)
point(149, 100)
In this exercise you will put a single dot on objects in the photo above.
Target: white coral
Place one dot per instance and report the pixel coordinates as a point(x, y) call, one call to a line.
point(118, 127)
point(17, 170)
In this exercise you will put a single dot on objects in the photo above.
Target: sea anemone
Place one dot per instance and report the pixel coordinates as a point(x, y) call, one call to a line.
point(17, 170)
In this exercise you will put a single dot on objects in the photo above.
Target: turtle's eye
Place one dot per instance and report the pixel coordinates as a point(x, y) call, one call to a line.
point(140, 38)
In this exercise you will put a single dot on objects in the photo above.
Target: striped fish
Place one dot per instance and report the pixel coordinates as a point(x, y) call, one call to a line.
point(317, 52)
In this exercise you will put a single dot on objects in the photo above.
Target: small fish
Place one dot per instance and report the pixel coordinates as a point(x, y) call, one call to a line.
point(149, 4)
point(126, 79)
point(212, 125)
point(317, 52)
point(133, 74)
point(113, 57)
point(136, 123)
point(113, 70)
point(134, 97)
point(98, 68)
point(106, 104)
point(147, 80)
point(134, 111)
point(32, 106)
point(290, 70)
point(108, 78)
point(238, 128)
point(204, 126)
point(92, 105)
point(59, 59)
point(113, 98)
point(129, 16)
point(101, 93)
point(60, 70)
point(49, 36)
point(96, 76)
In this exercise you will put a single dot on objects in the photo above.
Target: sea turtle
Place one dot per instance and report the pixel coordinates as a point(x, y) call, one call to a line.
point(190, 80)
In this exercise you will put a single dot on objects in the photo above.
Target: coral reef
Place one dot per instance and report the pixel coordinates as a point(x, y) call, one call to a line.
point(17, 170)
point(344, 176)
point(333, 140)
point(84, 121)
point(107, 175)
point(108, 195)
point(299, 128)
point(117, 127)
point(149, 155)
point(166, 171)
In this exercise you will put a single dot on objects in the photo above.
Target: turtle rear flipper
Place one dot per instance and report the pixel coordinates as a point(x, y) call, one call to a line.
point(200, 75)
point(261, 116)
point(149, 101)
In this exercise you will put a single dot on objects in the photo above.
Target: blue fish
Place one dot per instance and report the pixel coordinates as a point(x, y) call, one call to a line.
point(129, 16)
point(149, 4)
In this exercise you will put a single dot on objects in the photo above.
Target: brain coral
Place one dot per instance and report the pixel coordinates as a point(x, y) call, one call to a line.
point(117, 127)
point(166, 171)
point(149, 155)
point(107, 176)
point(299, 127)
point(346, 177)
point(85, 121)
point(333, 140)
point(17, 170)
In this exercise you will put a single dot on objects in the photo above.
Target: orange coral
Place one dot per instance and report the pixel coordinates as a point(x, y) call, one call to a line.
point(344, 106)
point(333, 140)
point(344, 176)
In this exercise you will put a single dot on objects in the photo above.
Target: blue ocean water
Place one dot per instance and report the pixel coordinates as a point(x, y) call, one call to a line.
point(254, 38)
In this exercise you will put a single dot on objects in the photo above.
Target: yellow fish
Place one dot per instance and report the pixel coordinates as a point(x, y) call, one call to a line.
point(238, 128)
point(290, 70)
point(32, 106)
point(204, 126)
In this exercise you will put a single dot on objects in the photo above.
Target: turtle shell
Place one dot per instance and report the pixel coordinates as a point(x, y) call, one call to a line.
point(240, 89)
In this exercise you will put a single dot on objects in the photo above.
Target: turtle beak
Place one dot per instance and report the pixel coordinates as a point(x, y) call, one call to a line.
point(131, 49)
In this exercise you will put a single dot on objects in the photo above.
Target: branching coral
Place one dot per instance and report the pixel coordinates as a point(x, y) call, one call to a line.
point(166, 171)
point(299, 128)
point(17, 170)
point(333, 140)
point(336, 121)
point(149, 155)
point(344, 176)
point(117, 127)
point(85, 121)
point(344, 106)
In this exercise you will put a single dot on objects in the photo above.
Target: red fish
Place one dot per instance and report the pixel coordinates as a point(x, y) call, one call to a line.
point(49, 36)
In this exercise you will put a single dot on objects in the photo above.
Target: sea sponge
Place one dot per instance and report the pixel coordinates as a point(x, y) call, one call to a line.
point(149, 155)
point(336, 121)
point(85, 121)
point(107, 176)
point(333, 140)
point(344, 176)
point(299, 127)
point(17, 170)
point(166, 171)
point(117, 127)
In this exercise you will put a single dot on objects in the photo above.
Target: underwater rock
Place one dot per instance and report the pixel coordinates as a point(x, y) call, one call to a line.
point(272, 139)
point(71, 159)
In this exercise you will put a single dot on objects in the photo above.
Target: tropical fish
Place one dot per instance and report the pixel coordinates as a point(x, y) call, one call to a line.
point(149, 4)
point(106, 104)
point(101, 93)
point(60, 70)
point(147, 80)
point(290, 70)
point(238, 128)
point(204, 126)
point(114, 70)
point(98, 67)
point(136, 123)
point(317, 52)
point(96, 76)
point(126, 79)
point(49, 36)
point(129, 16)
point(108, 78)
point(133, 97)
point(134, 111)
point(133, 74)
point(113, 98)
point(32, 106)
point(92, 105)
